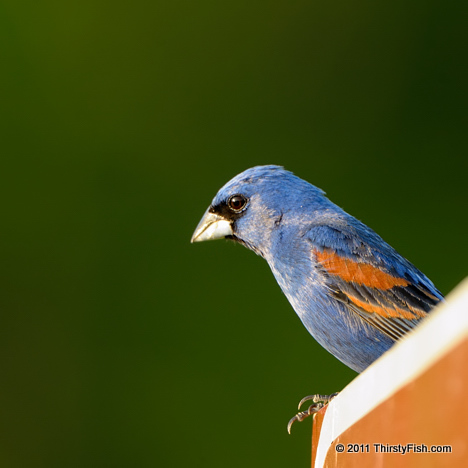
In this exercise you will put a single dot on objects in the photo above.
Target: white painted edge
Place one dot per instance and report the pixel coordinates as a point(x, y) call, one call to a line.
point(443, 330)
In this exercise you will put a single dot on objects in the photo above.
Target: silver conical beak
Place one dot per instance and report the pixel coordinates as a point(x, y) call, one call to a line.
point(211, 227)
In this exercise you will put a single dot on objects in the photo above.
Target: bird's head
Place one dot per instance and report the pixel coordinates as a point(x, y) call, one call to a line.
point(252, 204)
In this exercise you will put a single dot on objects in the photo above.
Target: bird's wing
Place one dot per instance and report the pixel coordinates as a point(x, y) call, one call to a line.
point(372, 279)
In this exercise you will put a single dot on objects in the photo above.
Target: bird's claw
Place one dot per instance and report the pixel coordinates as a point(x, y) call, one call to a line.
point(319, 401)
point(317, 398)
point(312, 409)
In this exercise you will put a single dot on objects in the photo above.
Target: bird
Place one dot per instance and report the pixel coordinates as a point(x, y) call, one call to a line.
point(354, 293)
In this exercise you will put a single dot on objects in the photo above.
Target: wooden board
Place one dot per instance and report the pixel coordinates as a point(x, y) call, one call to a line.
point(409, 403)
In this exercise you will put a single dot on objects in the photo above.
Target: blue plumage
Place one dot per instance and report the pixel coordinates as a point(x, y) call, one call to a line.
point(353, 292)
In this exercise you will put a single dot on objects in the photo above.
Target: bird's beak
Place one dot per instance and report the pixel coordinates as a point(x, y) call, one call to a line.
point(211, 227)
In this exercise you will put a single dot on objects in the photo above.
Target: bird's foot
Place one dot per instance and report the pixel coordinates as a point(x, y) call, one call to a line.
point(319, 401)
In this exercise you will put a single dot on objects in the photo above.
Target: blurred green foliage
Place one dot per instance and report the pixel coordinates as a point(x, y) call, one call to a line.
point(122, 345)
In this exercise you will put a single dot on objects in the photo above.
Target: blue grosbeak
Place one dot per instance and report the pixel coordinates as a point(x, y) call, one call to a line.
point(353, 292)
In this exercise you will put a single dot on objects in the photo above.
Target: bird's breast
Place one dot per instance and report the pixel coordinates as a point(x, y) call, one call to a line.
point(330, 322)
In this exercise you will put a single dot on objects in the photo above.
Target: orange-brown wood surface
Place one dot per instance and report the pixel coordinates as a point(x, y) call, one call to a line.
point(431, 410)
point(317, 426)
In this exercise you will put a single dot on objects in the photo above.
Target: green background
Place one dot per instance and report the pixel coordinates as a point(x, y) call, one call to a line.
point(123, 345)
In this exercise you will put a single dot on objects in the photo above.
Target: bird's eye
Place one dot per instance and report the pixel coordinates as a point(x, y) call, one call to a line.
point(237, 203)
